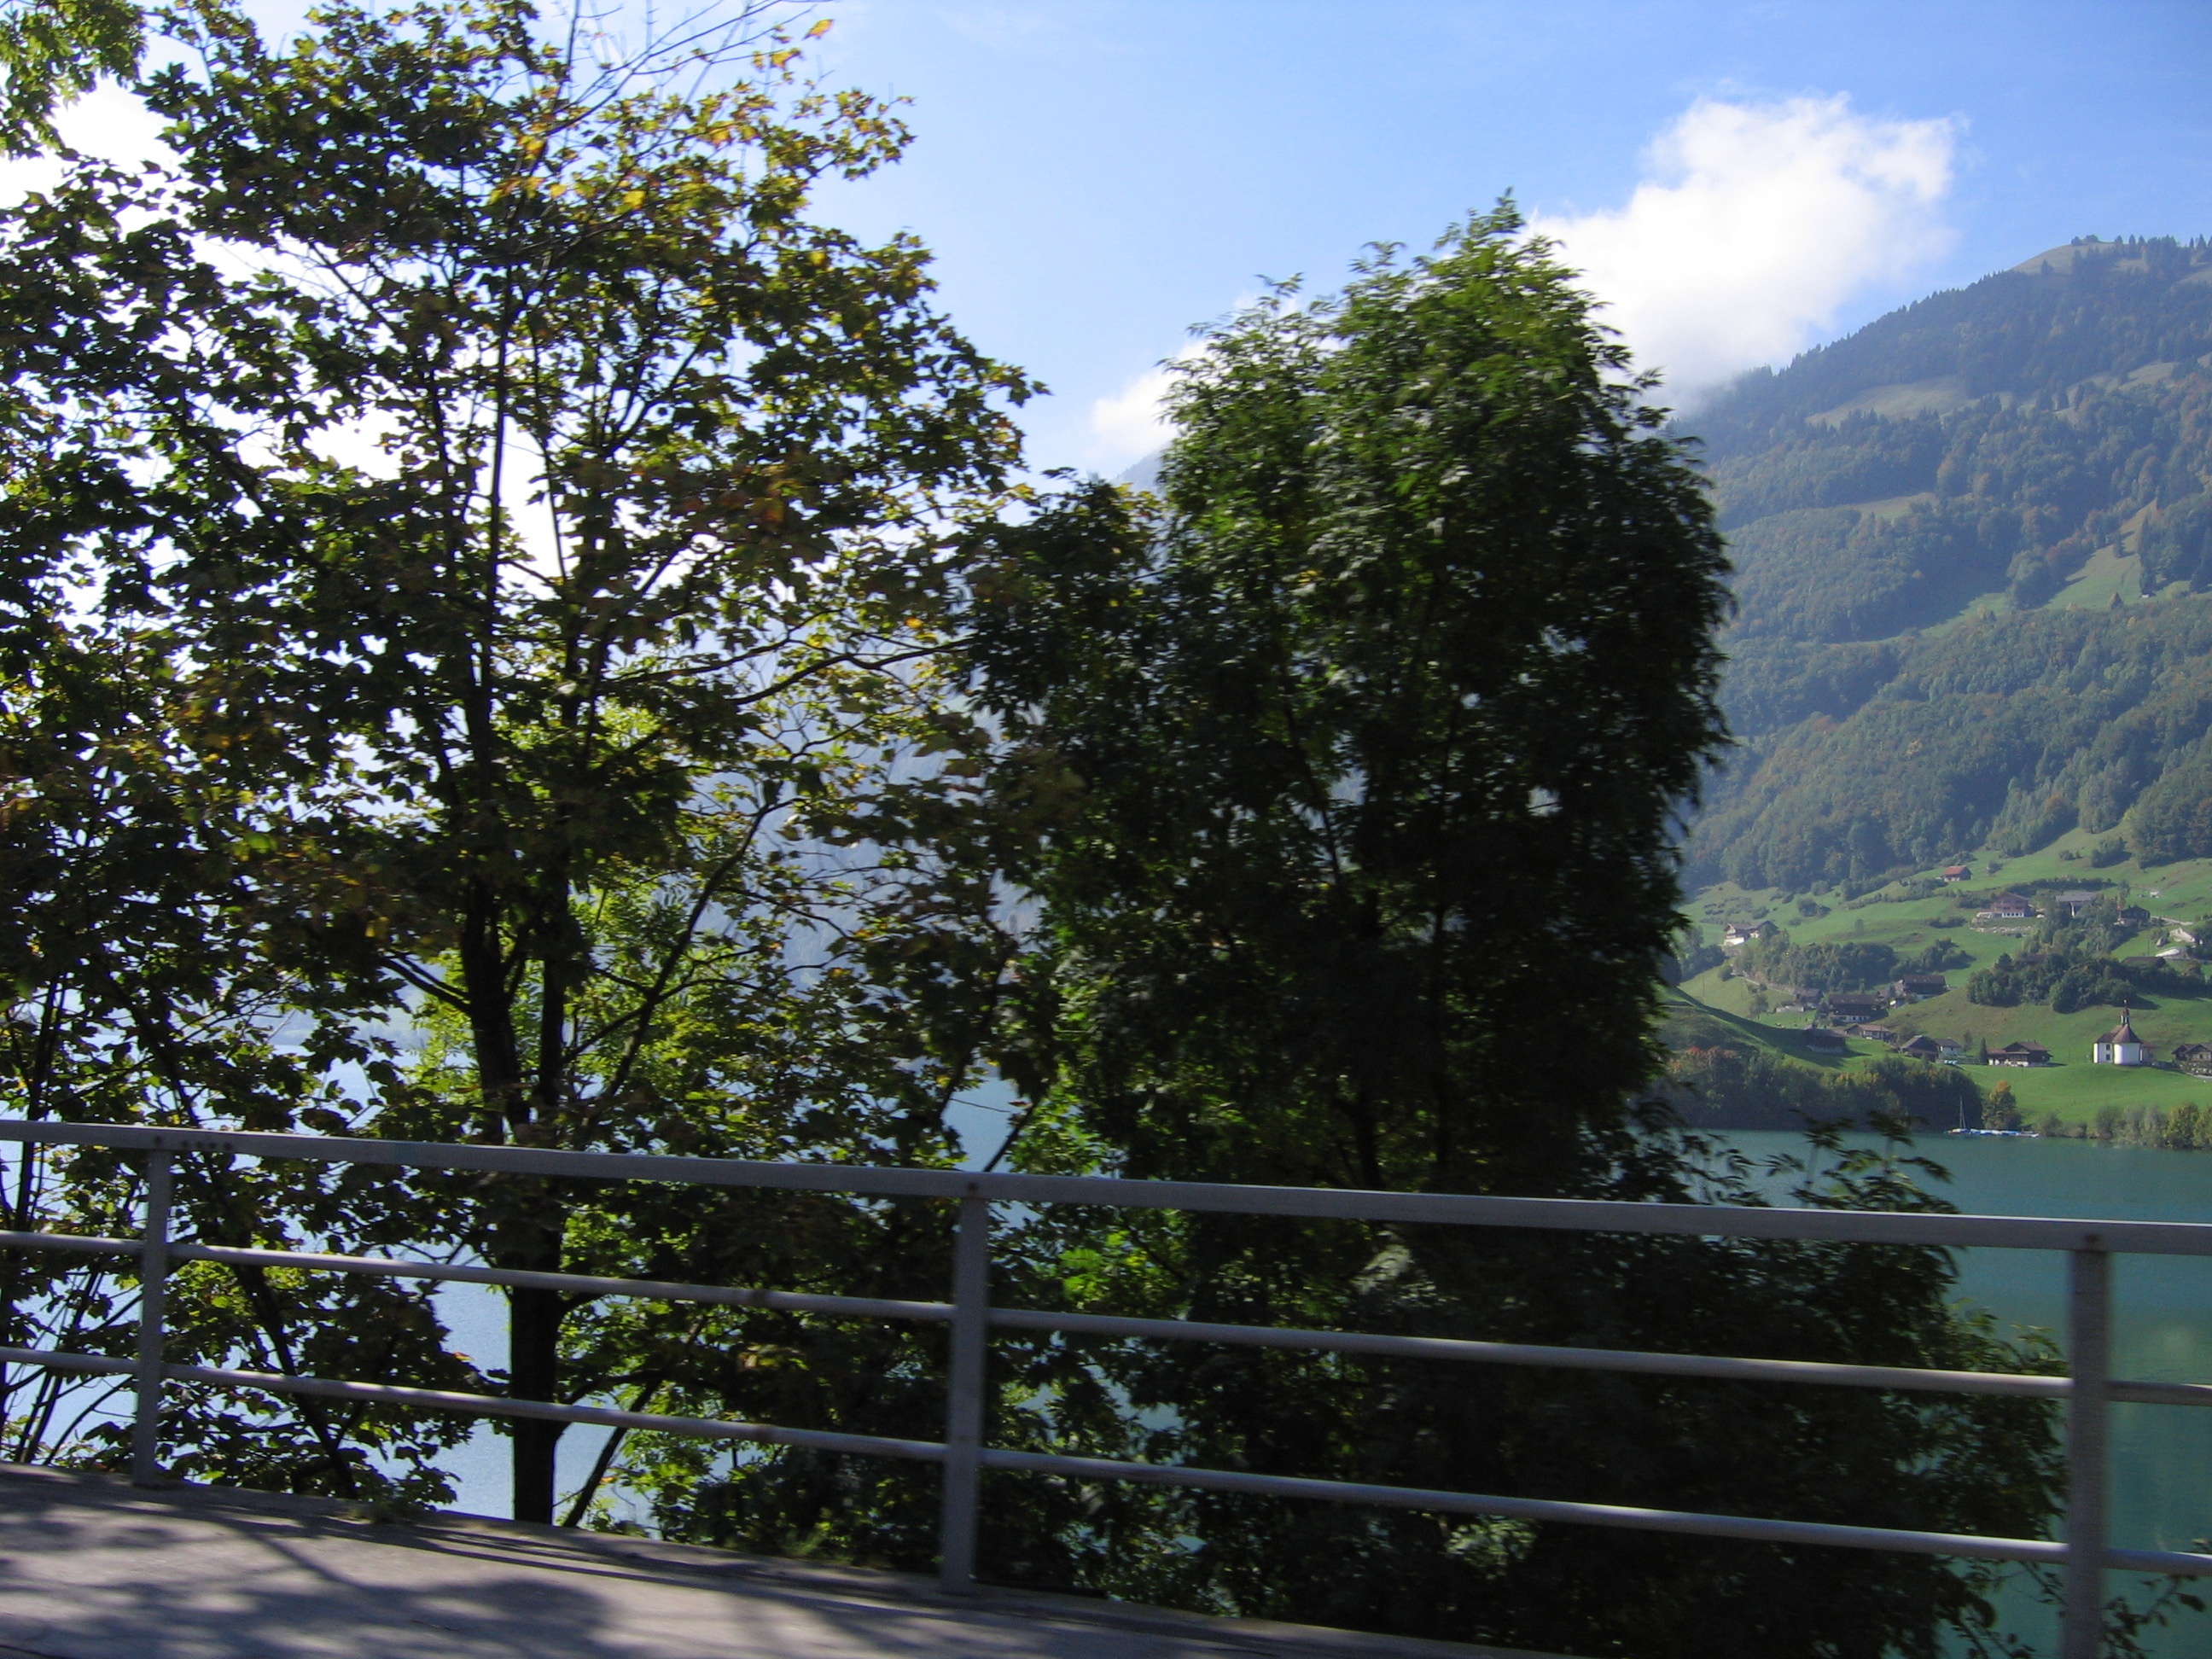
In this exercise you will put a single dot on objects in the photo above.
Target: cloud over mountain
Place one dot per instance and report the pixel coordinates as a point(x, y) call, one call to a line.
point(1756, 223)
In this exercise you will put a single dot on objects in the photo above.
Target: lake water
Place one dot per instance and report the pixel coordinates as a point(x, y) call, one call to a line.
point(2162, 1315)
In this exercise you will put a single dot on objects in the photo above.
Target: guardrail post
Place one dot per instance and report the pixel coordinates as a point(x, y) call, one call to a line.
point(153, 1291)
point(964, 1405)
point(2089, 1359)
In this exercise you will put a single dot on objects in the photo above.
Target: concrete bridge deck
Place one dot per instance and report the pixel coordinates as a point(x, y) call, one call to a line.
point(93, 1569)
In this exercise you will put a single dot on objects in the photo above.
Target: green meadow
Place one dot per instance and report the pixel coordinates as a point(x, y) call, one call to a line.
point(1717, 1009)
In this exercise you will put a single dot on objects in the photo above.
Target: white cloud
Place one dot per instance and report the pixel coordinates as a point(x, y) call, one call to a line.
point(1133, 423)
point(1126, 425)
point(1756, 223)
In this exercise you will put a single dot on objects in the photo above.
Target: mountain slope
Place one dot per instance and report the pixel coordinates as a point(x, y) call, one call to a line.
point(1915, 513)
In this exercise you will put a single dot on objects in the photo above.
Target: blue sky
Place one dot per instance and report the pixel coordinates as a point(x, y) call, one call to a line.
point(1096, 175)
point(1738, 181)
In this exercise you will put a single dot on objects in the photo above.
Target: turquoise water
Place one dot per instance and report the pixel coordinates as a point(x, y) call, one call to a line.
point(2162, 1313)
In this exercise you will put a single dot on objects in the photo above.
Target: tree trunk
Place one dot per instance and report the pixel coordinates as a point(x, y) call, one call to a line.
point(533, 1318)
point(533, 1365)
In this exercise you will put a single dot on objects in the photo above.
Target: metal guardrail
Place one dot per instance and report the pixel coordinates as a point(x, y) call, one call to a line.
point(2087, 1389)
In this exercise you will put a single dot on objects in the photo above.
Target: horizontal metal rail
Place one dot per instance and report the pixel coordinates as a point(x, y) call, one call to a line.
point(1536, 1508)
point(492, 1405)
point(583, 1284)
point(485, 1404)
point(586, 1284)
point(1605, 1515)
point(83, 1242)
point(1099, 1468)
point(1440, 1209)
point(1894, 1378)
point(89, 1364)
point(2090, 1244)
point(1889, 1378)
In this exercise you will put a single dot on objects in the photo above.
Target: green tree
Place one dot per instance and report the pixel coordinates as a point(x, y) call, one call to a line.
point(51, 52)
point(551, 521)
point(143, 989)
point(2186, 1129)
point(1382, 723)
point(2000, 1110)
point(2171, 819)
point(1366, 748)
point(1848, 965)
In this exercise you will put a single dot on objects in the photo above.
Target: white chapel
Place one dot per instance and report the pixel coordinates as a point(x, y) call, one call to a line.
point(2120, 1046)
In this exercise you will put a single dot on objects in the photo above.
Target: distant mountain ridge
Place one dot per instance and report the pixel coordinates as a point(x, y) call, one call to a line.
point(1917, 515)
point(2111, 309)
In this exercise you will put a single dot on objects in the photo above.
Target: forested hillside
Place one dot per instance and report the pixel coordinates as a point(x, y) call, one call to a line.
point(1973, 543)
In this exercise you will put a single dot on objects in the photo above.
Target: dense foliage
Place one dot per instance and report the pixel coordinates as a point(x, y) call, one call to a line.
point(2186, 1128)
point(1746, 1087)
point(2172, 818)
point(2071, 979)
point(472, 548)
point(1430, 608)
point(1845, 965)
point(1361, 756)
point(53, 50)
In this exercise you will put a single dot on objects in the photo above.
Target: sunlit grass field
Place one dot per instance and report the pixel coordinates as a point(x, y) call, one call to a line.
point(2073, 1089)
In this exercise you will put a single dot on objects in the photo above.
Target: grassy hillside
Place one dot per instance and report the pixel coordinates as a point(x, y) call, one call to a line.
point(1714, 1010)
point(1973, 549)
point(1698, 1016)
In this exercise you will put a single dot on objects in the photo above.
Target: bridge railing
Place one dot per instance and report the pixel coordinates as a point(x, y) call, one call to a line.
point(2087, 1389)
